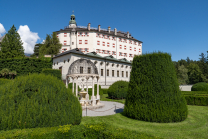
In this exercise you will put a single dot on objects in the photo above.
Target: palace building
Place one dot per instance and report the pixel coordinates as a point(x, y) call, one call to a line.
point(111, 51)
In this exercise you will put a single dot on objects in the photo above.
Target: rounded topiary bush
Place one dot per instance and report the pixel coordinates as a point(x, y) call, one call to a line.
point(118, 89)
point(153, 93)
point(37, 100)
point(201, 86)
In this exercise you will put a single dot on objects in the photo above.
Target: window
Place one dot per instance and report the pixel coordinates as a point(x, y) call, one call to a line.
point(124, 47)
point(108, 44)
point(125, 54)
point(68, 60)
point(120, 46)
point(134, 48)
point(103, 51)
point(107, 72)
point(65, 35)
point(81, 69)
point(130, 48)
point(80, 41)
point(57, 63)
point(113, 45)
point(64, 61)
point(64, 42)
point(101, 72)
point(54, 63)
point(113, 53)
point(86, 41)
point(122, 73)
point(120, 54)
point(72, 43)
point(103, 43)
point(117, 73)
point(127, 74)
point(98, 42)
point(112, 73)
point(89, 70)
point(108, 52)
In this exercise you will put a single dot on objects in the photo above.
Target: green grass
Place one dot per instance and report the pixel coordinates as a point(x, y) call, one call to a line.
point(104, 97)
point(194, 127)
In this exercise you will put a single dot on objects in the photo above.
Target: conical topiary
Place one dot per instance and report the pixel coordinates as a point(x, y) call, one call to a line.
point(37, 100)
point(153, 93)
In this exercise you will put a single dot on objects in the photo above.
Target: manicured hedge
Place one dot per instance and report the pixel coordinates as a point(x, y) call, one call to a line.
point(95, 90)
point(201, 86)
point(153, 92)
point(90, 131)
point(24, 66)
point(53, 72)
point(4, 81)
point(118, 90)
point(197, 100)
point(37, 100)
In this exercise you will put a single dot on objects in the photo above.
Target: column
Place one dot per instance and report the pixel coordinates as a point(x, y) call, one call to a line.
point(76, 86)
point(87, 95)
point(98, 97)
point(73, 85)
point(93, 87)
point(66, 82)
point(92, 97)
point(86, 83)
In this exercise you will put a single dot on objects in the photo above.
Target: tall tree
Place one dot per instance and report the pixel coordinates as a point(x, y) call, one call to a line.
point(203, 59)
point(11, 45)
point(36, 50)
point(182, 75)
point(194, 74)
point(188, 60)
point(51, 45)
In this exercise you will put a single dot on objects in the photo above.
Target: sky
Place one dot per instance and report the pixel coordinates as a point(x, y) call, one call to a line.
point(177, 27)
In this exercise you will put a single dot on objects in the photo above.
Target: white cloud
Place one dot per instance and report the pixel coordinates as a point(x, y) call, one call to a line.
point(28, 38)
point(2, 30)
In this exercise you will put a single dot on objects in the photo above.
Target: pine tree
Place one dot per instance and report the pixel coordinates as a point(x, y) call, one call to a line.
point(36, 50)
point(11, 45)
point(51, 45)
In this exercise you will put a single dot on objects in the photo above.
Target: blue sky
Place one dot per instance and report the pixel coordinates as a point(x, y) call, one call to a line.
point(179, 27)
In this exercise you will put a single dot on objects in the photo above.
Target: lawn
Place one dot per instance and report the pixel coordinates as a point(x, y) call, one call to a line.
point(194, 127)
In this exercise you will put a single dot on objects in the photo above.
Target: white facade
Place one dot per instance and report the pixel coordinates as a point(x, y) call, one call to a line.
point(109, 70)
point(104, 42)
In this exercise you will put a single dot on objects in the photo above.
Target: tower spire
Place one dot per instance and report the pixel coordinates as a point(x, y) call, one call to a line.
point(72, 22)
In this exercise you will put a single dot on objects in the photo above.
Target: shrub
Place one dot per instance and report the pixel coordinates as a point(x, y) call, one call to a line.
point(118, 89)
point(4, 81)
point(53, 72)
point(95, 90)
point(201, 86)
point(153, 92)
point(37, 100)
point(105, 91)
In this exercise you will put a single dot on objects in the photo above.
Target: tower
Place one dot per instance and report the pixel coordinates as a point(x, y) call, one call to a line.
point(72, 22)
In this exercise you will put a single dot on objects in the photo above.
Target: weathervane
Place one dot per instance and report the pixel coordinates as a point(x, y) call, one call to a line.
point(73, 12)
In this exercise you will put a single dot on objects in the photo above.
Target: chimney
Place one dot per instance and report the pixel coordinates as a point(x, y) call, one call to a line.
point(88, 26)
point(99, 28)
point(127, 34)
point(115, 31)
point(109, 29)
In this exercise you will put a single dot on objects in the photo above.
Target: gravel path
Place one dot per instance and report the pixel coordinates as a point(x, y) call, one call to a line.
point(110, 108)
